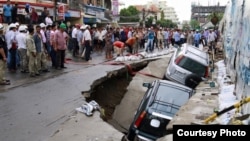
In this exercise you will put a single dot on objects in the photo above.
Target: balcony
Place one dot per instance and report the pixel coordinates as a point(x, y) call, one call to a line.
point(75, 4)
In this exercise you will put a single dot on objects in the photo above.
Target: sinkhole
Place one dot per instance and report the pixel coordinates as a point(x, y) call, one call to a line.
point(110, 90)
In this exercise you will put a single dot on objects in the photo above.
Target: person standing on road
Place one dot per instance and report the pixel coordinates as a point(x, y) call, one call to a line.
point(108, 45)
point(7, 12)
point(3, 57)
point(150, 38)
point(22, 50)
point(31, 53)
point(10, 37)
point(75, 52)
point(211, 40)
point(197, 38)
point(34, 16)
point(41, 55)
point(86, 40)
point(160, 36)
point(14, 15)
point(61, 38)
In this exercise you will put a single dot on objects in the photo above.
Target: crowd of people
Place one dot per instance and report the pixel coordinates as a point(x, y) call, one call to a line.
point(30, 46)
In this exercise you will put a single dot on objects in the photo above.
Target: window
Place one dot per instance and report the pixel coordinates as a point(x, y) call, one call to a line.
point(192, 66)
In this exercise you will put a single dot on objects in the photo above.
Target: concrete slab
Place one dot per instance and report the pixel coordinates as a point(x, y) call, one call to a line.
point(136, 91)
point(82, 128)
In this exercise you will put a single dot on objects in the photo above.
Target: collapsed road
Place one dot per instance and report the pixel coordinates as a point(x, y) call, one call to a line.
point(45, 110)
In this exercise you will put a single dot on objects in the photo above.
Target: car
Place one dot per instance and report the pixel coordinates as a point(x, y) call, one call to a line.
point(160, 103)
point(188, 66)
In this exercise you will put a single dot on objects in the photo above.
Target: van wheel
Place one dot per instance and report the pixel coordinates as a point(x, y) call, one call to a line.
point(192, 80)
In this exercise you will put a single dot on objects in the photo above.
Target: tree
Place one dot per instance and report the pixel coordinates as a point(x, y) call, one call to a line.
point(149, 21)
point(166, 23)
point(194, 24)
point(215, 18)
point(185, 26)
point(162, 15)
point(130, 14)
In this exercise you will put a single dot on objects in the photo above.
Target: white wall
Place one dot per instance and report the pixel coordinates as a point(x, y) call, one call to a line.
point(236, 37)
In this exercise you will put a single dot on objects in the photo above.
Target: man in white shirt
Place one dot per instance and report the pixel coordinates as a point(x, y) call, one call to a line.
point(166, 38)
point(11, 42)
point(86, 40)
point(48, 20)
point(42, 31)
point(103, 36)
point(211, 39)
point(130, 33)
point(74, 40)
point(22, 49)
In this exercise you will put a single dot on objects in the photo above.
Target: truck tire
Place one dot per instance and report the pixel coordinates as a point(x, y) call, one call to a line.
point(192, 80)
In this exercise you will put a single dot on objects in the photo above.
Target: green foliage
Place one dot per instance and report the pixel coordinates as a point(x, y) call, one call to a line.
point(219, 16)
point(149, 21)
point(162, 15)
point(130, 14)
point(185, 27)
point(194, 24)
point(166, 23)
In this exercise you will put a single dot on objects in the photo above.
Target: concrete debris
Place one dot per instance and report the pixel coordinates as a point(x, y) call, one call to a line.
point(143, 55)
point(88, 108)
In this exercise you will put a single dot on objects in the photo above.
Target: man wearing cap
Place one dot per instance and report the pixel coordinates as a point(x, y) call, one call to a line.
point(10, 37)
point(22, 50)
point(3, 57)
point(86, 40)
point(60, 39)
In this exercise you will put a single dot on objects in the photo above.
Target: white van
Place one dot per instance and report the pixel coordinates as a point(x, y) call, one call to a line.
point(189, 66)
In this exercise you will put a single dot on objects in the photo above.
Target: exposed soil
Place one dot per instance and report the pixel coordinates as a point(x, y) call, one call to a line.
point(110, 93)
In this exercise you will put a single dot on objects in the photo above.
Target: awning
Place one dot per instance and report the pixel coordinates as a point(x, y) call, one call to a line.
point(101, 20)
point(88, 16)
point(89, 19)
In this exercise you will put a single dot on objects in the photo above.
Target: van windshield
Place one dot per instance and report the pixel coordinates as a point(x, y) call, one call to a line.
point(192, 66)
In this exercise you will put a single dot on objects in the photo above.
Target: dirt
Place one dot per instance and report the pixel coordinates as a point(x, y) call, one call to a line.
point(110, 93)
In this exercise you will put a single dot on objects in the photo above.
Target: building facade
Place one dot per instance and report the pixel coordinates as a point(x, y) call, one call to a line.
point(201, 13)
point(170, 14)
point(74, 11)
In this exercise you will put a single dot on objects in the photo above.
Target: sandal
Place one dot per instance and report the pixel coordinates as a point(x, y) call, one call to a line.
point(5, 83)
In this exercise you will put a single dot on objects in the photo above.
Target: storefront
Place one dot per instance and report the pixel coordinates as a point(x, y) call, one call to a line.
point(69, 14)
point(94, 15)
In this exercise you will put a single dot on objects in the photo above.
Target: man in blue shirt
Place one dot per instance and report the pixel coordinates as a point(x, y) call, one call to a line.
point(7, 12)
point(150, 44)
point(197, 38)
point(177, 37)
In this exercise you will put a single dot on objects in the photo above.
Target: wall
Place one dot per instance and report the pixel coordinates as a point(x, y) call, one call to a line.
point(235, 31)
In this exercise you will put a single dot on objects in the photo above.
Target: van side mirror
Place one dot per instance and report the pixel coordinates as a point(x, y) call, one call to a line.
point(147, 85)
